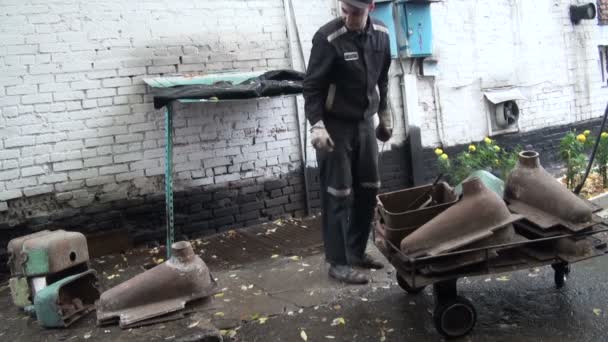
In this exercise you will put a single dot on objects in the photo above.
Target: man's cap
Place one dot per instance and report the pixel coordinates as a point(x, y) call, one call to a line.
point(359, 3)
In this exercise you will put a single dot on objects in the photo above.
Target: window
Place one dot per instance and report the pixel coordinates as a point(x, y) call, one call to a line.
point(604, 63)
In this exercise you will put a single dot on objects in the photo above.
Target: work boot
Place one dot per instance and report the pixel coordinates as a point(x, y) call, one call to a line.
point(347, 274)
point(368, 262)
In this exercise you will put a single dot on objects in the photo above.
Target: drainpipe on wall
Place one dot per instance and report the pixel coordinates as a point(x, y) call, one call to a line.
point(290, 17)
point(438, 113)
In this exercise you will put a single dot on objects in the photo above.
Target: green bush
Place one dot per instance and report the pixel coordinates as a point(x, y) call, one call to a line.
point(572, 150)
point(484, 155)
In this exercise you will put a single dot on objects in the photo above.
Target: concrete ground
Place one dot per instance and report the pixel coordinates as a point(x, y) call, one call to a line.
point(288, 297)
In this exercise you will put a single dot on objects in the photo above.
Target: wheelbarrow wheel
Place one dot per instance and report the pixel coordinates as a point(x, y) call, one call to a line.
point(455, 317)
point(561, 273)
point(405, 286)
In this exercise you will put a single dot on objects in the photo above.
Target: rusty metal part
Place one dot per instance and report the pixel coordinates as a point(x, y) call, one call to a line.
point(451, 263)
point(46, 252)
point(534, 193)
point(481, 214)
point(399, 222)
point(14, 248)
point(159, 291)
point(573, 246)
point(67, 300)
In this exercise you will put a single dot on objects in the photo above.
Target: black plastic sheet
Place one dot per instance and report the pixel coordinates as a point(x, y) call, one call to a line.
point(271, 83)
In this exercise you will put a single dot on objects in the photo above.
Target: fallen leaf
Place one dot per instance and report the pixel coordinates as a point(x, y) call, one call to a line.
point(488, 280)
point(301, 270)
point(243, 287)
point(87, 335)
point(193, 324)
point(170, 337)
point(219, 295)
point(113, 276)
point(305, 265)
point(303, 335)
point(503, 278)
point(231, 234)
point(159, 261)
point(338, 321)
point(106, 331)
point(232, 275)
point(329, 337)
point(337, 307)
point(262, 320)
point(301, 310)
point(364, 299)
point(250, 286)
point(597, 312)
point(274, 256)
point(232, 333)
point(219, 314)
point(295, 258)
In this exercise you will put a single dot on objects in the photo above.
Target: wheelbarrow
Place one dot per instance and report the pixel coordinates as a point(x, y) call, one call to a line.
point(455, 316)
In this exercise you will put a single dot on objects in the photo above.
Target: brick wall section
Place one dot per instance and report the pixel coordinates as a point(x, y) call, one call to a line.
point(76, 119)
point(602, 15)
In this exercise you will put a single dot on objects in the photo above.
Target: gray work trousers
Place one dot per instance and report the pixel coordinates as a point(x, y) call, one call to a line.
point(350, 181)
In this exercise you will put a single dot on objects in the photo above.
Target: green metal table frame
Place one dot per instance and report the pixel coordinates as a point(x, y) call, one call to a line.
point(169, 177)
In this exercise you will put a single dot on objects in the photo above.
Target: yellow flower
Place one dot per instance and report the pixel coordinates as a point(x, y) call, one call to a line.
point(488, 140)
point(472, 148)
point(496, 148)
point(604, 135)
point(444, 156)
point(438, 152)
point(581, 138)
point(497, 162)
point(587, 132)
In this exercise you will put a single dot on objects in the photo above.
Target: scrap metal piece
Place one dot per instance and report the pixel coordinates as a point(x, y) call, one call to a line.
point(15, 258)
point(400, 222)
point(481, 214)
point(20, 291)
point(48, 253)
point(159, 291)
point(65, 301)
point(534, 193)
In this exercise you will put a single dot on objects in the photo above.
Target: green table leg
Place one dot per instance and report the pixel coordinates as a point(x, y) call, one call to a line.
point(169, 177)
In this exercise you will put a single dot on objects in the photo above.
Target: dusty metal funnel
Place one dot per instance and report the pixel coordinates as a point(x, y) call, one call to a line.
point(159, 291)
point(534, 193)
point(480, 214)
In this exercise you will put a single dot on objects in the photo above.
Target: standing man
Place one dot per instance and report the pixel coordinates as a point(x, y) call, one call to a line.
point(345, 85)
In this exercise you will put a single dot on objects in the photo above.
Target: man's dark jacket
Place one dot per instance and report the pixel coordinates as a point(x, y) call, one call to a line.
point(347, 75)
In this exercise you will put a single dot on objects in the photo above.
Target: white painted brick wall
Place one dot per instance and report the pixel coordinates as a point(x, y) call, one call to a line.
point(75, 113)
point(529, 44)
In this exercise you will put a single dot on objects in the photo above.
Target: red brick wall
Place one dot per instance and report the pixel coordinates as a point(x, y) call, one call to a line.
point(602, 6)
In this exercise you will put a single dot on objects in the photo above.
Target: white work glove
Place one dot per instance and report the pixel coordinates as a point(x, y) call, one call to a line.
point(384, 131)
point(320, 139)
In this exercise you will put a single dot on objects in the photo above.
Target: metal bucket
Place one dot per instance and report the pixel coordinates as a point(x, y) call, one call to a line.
point(399, 217)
